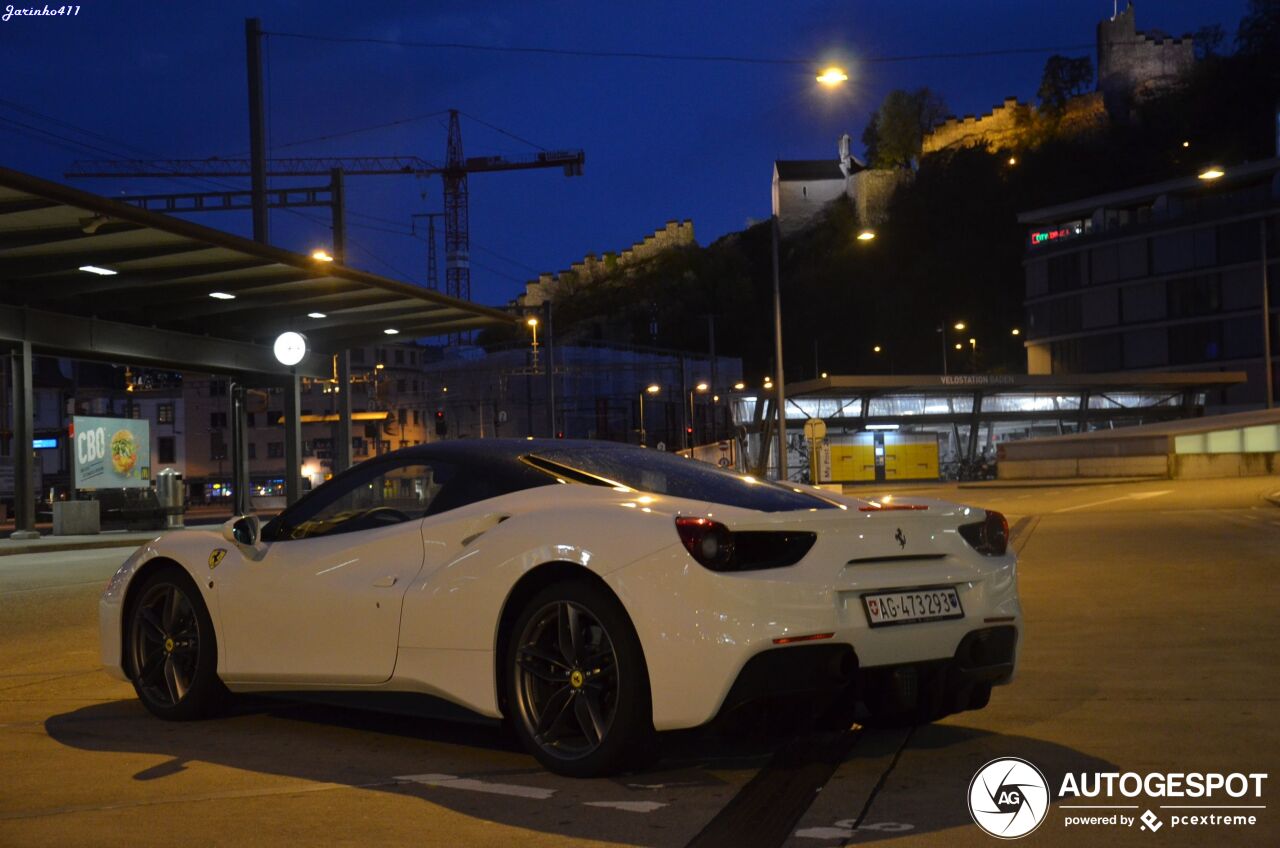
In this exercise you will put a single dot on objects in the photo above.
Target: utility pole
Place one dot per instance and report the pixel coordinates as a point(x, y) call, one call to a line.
point(777, 353)
point(257, 129)
point(457, 230)
point(549, 364)
point(338, 218)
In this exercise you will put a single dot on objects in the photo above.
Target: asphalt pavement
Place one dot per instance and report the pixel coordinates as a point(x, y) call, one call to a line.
point(1151, 644)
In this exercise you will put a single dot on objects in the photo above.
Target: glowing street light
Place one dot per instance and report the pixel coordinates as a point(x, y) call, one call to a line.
point(960, 325)
point(1015, 331)
point(739, 386)
point(832, 76)
point(321, 255)
point(1211, 173)
point(877, 349)
point(866, 235)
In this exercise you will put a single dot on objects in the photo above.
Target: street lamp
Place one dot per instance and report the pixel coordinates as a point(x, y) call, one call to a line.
point(831, 77)
point(533, 325)
point(866, 235)
point(693, 415)
point(651, 389)
point(1210, 173)
point(942, 334)
point(1015, 332)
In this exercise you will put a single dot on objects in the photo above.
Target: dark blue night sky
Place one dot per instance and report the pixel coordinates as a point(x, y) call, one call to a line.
point(664, 139)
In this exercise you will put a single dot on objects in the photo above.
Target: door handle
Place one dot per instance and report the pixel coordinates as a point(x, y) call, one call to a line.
point(385, 582)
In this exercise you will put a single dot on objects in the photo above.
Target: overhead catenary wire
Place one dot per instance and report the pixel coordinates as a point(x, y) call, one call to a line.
point(670, 57)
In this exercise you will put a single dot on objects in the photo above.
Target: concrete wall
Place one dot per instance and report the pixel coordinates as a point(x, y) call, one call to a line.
point(1101, 466)
point(1176, 466)
point(1201, 465)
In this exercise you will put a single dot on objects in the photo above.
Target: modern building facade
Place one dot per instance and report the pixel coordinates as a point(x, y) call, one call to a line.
point(1169, 276)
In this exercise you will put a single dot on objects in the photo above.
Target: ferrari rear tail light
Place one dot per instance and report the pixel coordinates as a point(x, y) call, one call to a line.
point(709, 542)
point(714, 546)
point(989, 536)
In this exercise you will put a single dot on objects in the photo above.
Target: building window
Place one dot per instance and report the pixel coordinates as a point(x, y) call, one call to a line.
point(358, 446)
point(135, 410)
point(275, 450)
point(164, 415)
point(217, 388)
point(217, 420)
point(357, 355)
point(217, 445)
point(384, 446)
point(417, 419)
point(399, 357)
point(400, 384)
point(403, 416)
point(275, 417)
point(251, 419)
point(253, 450)
point(164, 450)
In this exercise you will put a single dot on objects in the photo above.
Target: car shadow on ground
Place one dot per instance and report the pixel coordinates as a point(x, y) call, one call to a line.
point(477, 769)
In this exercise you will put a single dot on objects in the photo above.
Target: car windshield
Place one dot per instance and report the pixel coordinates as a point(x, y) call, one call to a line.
point(668, 474)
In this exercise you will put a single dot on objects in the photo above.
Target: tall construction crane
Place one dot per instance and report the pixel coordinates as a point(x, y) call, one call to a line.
point(454, 172)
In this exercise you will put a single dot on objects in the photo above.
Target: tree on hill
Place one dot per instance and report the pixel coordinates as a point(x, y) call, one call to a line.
point(1259, 30)
point(1208, 41)
point(1063, 79)
point(895, 133)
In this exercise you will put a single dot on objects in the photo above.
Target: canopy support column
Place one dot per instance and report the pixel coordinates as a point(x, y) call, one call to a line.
point(240, 484)
point(292, 439)
point(24, 507)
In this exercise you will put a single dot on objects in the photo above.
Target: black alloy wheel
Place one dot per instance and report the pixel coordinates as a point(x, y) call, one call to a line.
point(578, 688)
point(172, 653)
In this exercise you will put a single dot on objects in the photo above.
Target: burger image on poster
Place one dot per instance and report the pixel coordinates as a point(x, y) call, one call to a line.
point(124, 452)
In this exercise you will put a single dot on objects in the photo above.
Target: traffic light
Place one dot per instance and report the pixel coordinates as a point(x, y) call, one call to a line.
point(442, 426)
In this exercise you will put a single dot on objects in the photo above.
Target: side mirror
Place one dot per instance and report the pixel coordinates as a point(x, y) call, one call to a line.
point(241, 530)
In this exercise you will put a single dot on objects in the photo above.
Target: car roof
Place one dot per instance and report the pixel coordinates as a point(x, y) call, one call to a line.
point(481, 450)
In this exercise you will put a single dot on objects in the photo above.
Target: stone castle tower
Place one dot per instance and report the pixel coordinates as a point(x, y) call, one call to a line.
point(1133, 66)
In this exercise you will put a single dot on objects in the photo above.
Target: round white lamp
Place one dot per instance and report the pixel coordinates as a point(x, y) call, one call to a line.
point(290, 348)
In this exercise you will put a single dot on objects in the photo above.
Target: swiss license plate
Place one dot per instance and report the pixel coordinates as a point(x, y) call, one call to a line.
point(910, 606)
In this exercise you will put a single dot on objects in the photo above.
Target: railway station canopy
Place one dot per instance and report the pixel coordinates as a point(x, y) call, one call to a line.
point(971, 413)
point(87, 277)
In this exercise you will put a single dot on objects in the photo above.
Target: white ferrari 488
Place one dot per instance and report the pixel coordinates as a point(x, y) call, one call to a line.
point(589, 593)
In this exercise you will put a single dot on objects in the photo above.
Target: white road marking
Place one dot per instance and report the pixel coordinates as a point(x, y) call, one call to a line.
point(450, 781)
point(1137, 496)
point(628, 806)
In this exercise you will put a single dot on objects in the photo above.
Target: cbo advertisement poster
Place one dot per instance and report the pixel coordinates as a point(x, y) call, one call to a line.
point(110, 453)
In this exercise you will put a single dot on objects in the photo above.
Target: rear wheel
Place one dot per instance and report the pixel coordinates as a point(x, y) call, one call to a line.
point(172, 653)
point(577, 685)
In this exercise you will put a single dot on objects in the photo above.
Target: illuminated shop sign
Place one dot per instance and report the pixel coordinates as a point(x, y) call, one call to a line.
point(1054, 234)
point(44, 444)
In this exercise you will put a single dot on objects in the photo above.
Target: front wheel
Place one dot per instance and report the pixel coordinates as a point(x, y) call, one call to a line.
point(172, 652)
point(577, 684)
